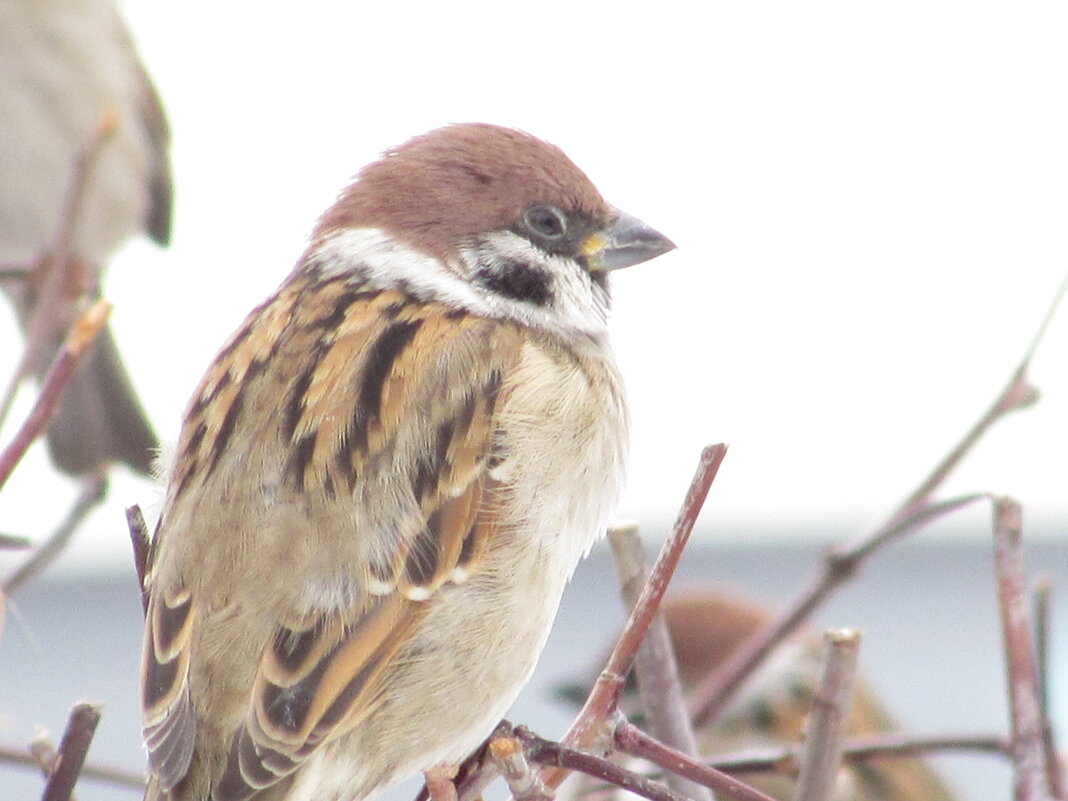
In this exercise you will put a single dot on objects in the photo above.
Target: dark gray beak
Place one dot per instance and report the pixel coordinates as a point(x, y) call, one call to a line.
point(626, 242)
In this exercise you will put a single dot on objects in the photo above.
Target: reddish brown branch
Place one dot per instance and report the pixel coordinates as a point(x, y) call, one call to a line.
point(135, 521)
point(715, 692)
point(654, 665)
point(632, 740)
point(508, 753)
point(1043, 592)
point(101, 773)
point(839, 565)
point(69, 358)
point(58, 270)
point(825, 727)
point(591, 730)
point(563, 760)
point(1028, 751)
point(860, 749)
point(72, 750)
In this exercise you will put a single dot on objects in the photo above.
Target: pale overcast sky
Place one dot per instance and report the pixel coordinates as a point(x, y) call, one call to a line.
point(870, 202)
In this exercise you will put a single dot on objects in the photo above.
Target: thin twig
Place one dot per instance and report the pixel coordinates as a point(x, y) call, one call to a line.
point(632, 740)
point(72, 750)
point(135, 521)
point(14, 542)
point(1018, 393)
point(714, 692)
point(42, 752)
point(507, 752)
point(654, 665)
point(68, 359)
point(825, 726)
point(860, 749)
point(1028, 752)
point(94, 489)
point(591, 729)
point(1043, 592)
point(564, 759)
point(102, 773)
point(59, 264)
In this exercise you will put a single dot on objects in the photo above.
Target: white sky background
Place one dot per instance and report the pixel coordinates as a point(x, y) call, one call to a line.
point(870, 203)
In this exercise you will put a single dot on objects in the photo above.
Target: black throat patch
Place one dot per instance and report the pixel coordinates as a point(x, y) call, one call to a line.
point(517, 280)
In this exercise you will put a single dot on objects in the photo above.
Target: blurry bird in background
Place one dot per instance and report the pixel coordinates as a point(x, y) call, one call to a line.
point(73, 91)
point(707, 625)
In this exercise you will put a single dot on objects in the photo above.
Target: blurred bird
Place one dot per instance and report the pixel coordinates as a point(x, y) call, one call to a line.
point(707, 625)
point(68, 71)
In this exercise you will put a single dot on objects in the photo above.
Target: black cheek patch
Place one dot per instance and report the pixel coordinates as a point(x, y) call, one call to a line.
point(519, 281)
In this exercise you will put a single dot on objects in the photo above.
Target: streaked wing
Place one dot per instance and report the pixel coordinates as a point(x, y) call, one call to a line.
point(167, 714)
point(384, 360)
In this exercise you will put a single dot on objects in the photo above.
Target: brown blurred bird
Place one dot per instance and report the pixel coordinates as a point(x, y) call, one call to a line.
point(707, 625)
point(68, 67)
point(387, 476)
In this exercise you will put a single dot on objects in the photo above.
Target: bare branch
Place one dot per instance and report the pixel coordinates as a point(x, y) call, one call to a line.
point(507, 752)
point(14, 542)
point(825, 727)
point(1028, 752)
point(72, 750)
point(592, 728)
point(1018, 393)
point(564, 760)
point(69, 358)
point(139, 538)
point(714, 692)
point(1043, 591)
point(654, 665)
point(60, 267)
point(632, 740)
point(859, 749)
point(96, 772)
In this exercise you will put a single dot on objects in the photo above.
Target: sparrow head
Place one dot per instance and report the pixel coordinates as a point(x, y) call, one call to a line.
point(507, 214)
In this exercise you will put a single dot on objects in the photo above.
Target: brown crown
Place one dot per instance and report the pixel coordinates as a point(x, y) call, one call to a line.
point(445, 186)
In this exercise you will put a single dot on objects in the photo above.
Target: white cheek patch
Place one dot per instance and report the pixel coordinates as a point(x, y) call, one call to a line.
point(574, 303)
point(382, 262)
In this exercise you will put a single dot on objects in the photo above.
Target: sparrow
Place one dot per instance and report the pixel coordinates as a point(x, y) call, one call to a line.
point(69, 68)
point(707, 625)
point(387, 476)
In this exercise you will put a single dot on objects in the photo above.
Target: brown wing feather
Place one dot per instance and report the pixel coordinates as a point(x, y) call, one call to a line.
point(385, 360)
point(169, 723)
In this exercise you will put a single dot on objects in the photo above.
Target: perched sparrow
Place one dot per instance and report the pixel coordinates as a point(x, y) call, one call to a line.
point(387, 476)
point(67, 66)
point(707, 626)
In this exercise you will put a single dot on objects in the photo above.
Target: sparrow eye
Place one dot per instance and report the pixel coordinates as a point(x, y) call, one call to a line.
point(547, 222)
